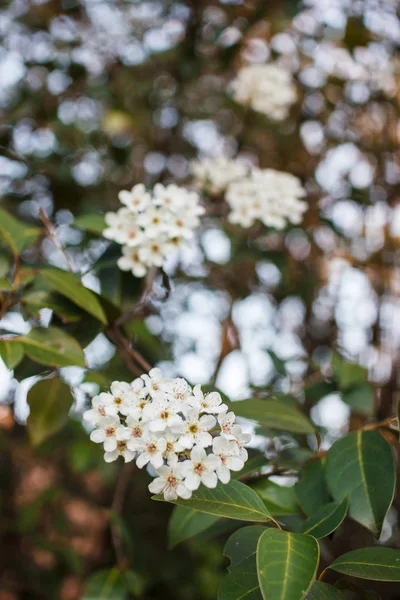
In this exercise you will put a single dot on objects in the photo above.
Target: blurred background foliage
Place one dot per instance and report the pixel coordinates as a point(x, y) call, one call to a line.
point(96, 96)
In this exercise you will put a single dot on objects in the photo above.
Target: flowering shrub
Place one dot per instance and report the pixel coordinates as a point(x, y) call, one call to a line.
point(188, 438)
point(285, 299)
point(151, 226)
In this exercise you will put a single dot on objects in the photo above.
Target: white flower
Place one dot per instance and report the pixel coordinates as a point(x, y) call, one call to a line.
point(121, 450)
point(201, 469)
point(153, 453)
point(161, 414)
point(134, 432)
point(169, 196)
point(268, 89)
point(102, 406)
point(153, 382)
point(119, 224)
point(209, 403)
point(226, 422)
point(215, 173)
point(153, 252)
point(196, 430)
point(123, 397)
point(170, 483)
point(137, 199)
point(230, 461)
point(241, 439)
point(173, 445)
point(106, 433)
point(130, 261)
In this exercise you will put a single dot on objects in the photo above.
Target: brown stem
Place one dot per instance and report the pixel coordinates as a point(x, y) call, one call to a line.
point(383, 423)
point(116, 509)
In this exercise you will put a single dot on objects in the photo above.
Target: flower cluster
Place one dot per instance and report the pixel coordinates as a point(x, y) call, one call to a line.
point(214, 174)
point(189, 438)
point(270, 196)
point(152, 225)
point(268, 89)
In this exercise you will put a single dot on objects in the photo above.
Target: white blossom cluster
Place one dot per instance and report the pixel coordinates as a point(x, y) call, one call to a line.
point(188, 437)
point(272, 197)
point(152, 225)
point(266, 88)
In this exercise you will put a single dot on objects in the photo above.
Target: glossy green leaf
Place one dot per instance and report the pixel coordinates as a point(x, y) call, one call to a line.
point(16, 234)
point(241, 583)
point(234, 500)
point(280, 500)
point(242, 580)
point(273, 414)
point(312, 491)
point(94, 224)
point(66, 284)
point(185, 523)
point(243, 544)
point(326, 519)
point(360, 399)
point(11, 353)
point(53, 347)
point(376, 563)
point(286, 564)
point(49, 401)
point(324, 591)
point(109, 584)
point(361, 467)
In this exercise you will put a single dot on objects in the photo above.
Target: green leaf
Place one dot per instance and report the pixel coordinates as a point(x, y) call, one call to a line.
point(326, 519)
point(15, 233)
point(360, 466)
point(234, 500)
point(66, 284)
point(109, 584)
point(66, 310)
point(376, 563)
point(94, 224)
point(360, 399)
point(286, 564)
point(324, 591)
point(273, 414)
point(52, 346)
point(11, 353)
point(280, 500)
point(312, 491)
point(49, 401)
point(348, 374)
point(185, 523)
point(5, 285)
point(243, 544)
point(241, 583)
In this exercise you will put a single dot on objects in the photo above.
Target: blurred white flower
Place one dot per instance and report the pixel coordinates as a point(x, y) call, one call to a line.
point(266, 88)
point(214, 174)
